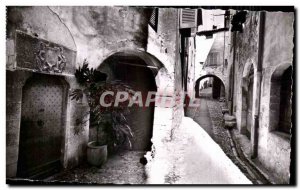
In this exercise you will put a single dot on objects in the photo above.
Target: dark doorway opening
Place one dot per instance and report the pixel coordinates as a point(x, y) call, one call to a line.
point(209, 86)
point(133, 71)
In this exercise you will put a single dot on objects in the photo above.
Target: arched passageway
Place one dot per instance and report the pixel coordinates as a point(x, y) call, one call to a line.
point(208, 89)
point(134, 71)
point(209, 86)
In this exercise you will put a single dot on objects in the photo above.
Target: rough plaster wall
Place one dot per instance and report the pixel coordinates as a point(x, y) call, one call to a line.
point(14, 84)
point(246, 52)
point(203, 47)
point(44, 23)
point(75, 142)
point(163, 44)
point(279, 33)
point(273, 149)
point(101, 31)
point(191, 68)
point(219, 70)
point(40, 22)
point(227, 67)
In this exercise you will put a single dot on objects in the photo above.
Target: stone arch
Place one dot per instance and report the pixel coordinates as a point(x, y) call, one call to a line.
point(280, 98)
point(43, 120)
point(197, 84)
point(147, 73)
point(162, 76)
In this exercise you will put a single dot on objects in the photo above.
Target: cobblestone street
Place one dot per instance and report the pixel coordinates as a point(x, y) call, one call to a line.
point(122, 168)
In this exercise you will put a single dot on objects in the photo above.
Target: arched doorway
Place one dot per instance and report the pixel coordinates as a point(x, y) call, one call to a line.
point(43, 115)
point(209, 86)
point(247, 101)
point(134, 71)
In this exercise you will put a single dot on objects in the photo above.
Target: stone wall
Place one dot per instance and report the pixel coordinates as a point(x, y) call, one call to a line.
point(215, 61)
point(273, 146)
point(96, 33)
point(191, 67)
point(277, 55)
point(14, 84)
point(126, 29)
point(246, 53)
point(41, 24)
point(164, 45)
point(101, 31)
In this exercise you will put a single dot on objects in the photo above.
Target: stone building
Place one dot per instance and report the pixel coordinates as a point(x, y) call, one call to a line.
point(250, 62)
point(253, 57)
point(44, 47)
point(260, 71)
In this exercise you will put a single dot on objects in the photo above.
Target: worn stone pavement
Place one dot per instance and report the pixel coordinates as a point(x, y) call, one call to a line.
point(201, 116)
point(122, 168)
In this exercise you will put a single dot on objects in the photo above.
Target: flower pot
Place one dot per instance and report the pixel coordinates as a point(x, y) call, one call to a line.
point(96, 155)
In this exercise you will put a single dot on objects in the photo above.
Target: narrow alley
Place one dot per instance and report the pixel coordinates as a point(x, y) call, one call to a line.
point(201, 113)
point(149, 95)
point(209, 116)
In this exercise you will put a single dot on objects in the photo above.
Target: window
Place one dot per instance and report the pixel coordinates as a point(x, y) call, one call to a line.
point(154, 19)
point(285, 102)
point(212, 59)
point(280, 100)
point(188, 18)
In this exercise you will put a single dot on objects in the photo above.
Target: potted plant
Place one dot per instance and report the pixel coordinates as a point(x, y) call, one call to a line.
point(111, 124)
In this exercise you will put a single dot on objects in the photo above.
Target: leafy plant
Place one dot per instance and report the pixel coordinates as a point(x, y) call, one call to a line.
point(109, 120)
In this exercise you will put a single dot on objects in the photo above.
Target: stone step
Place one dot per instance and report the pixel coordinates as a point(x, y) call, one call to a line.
point(225, 110)
point(228, 117)
point(230, 124)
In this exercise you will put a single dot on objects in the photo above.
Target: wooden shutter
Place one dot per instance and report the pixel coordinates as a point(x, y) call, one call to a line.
point(188, 18)
point(154, 19)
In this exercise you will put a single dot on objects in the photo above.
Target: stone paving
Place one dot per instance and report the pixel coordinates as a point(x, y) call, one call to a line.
point(122, 168)
point(190, 157)
point(213, 121)
point(220, 133)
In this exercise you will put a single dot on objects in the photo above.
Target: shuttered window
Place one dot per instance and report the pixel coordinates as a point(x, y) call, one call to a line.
point(154, 19)
point(188, 18)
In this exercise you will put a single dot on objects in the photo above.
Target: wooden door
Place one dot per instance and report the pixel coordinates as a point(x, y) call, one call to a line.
point(41, 127)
